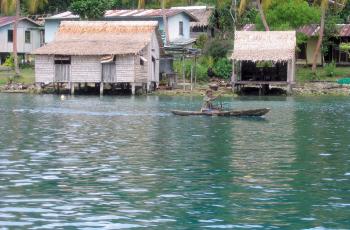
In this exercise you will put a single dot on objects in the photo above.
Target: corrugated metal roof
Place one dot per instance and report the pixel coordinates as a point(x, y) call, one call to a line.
point(11, 19)
point(148, 13)
point(249, 27)
point(64, 15)
point(145, 13)
point(6, 20)
point(344, 30)
point(309, 30)
point(202, 13)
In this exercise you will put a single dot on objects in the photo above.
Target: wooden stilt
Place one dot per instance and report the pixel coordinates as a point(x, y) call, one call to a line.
point(133, 88)
point(101, 88)
point(72, 88)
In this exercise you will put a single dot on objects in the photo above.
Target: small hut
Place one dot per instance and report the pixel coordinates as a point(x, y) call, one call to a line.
point(102, 53)
point(264, 58)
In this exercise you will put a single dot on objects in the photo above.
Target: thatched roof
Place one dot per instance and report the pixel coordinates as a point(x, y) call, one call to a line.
point(100, 38)
point(202, 13)
point(264, 46)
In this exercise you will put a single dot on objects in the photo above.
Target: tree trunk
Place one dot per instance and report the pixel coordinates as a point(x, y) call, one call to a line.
point(14, 42)
point(320, 39)
point(165, 23)
point(262, 15)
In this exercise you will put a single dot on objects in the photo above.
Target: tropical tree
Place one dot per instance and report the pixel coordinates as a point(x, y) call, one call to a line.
point(324, 5)
point(141, 4)
point(10, 6)
point(261, 4)
point(165, 22)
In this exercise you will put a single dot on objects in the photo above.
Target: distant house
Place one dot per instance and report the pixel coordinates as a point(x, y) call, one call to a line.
point(305, 55)
point(101, 52)
point(53, 23)
point(203, 14)
point(264, 58)
point(178, 22)
point(29, 38)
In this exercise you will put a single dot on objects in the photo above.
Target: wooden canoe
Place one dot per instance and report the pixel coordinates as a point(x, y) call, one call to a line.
point(233, 113)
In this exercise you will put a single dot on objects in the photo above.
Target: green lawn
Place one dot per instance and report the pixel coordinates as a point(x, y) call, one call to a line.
point(305, 74)
point(27, 76)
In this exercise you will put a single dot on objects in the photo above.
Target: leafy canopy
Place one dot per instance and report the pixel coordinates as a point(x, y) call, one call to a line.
point(92, 9)
point(289, 14)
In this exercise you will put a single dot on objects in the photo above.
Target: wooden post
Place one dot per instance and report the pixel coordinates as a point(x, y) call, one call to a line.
point(133, 88)
point(72, 86)
point(183, 70)
point(195, 70)
point(101, 88)
point(191, 77)
point(233, 77)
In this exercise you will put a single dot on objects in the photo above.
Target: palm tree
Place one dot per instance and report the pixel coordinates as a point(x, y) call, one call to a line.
point(165, 22)
point(324, 4)
point(8, 6)
point(141, 4)
point(262, 5)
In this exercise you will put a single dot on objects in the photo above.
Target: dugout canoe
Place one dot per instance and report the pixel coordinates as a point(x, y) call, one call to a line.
point(232, 113)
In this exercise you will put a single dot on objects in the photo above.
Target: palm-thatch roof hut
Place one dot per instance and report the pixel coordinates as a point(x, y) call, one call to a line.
point(264, 57)
point(101, 52)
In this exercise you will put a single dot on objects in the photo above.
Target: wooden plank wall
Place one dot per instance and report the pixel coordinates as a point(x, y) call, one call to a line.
point(86, 69)
point(125, 69)
point(44, 69)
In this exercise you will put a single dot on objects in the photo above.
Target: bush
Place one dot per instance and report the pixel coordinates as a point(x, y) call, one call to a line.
point(201, 41)
point(223, 68)
point(9, 62)
point(217, 49)
point(201, 70)
point(330, 69)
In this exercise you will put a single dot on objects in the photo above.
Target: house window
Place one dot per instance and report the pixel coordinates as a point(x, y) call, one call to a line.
point(181, 28)
point(62, 60)
point(27, 37)
point(10, 35)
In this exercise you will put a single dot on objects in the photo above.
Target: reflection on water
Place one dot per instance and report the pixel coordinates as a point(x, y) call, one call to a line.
point(124, 162)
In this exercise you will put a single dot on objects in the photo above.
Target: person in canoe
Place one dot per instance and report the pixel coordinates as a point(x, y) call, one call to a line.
point(208, 101)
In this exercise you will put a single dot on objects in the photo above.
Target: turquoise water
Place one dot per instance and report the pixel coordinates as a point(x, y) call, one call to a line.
point(122, 162)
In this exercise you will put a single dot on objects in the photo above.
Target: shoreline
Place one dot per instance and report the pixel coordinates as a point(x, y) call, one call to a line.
point(300, 89)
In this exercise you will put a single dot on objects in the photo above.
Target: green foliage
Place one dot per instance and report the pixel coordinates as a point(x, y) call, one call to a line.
point(201, 69)
point(330, 69)
point(332, 19)
point(207, 61)
point(201, 41)
point(248, 17)
point(218, 48)
point(345, 47)
point(223, 68)
point(91, 9)
point(289, 14)
point(222, 20)
point(9, 62)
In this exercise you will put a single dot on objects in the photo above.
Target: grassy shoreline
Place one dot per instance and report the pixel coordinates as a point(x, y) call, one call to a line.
point(307, 83)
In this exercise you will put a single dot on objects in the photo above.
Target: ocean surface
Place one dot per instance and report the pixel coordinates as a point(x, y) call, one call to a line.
point(126, 162)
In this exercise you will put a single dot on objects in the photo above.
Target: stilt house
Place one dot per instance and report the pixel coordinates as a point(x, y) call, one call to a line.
point(264, 58)
point(101, 52)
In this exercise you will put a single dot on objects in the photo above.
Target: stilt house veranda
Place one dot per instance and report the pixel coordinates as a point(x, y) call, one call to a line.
point(101, 52)
point(264, 58)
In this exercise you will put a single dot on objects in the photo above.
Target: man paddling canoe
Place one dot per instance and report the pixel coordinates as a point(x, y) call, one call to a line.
point(208, 101)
